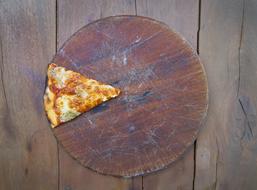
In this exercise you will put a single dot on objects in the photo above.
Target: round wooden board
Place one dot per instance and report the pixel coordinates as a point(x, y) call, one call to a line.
point(163, 101)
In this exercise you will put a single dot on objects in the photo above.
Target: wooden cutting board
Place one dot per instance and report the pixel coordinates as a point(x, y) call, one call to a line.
point(163, 101)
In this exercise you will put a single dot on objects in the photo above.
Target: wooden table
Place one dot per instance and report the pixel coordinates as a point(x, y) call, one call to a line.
point(223, 33)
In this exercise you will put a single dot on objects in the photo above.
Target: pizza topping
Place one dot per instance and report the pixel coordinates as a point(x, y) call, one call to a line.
point(69, 94)
point(66, 111)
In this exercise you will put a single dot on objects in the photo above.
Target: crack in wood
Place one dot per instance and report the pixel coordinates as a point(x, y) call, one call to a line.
point(250, 116)
point(194, 171)
point(239, 47)
point(198, 52)
point(2, 75)
point(142, 182)
point(7, 122)
point(216, 165)
point(56, 26)
point(199, 26)
point(56, 48)
point(136, 7)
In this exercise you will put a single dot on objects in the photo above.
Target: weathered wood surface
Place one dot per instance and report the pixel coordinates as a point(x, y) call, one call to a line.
point(182, 16)
point(28, 153)
point(229, 164)
point(226, 150)
point(71, 17)
point(162, 104)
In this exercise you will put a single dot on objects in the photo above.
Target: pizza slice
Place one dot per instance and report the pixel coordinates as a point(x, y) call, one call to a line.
point(69, 94)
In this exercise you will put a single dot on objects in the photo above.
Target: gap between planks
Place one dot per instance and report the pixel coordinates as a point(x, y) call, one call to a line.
point(56, 48)
point(239, 47)
point(198, 52)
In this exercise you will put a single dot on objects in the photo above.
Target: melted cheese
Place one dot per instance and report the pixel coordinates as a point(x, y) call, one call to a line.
point(81, 92)
point(69, 94)
point(66, 112)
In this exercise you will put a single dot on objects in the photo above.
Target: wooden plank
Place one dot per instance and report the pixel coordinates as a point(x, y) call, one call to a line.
point(226, 149)
point(178, 175)
point(71, 17)
point(246, 172)
point(182, 16)
point(28, 156)
point(248, 47)
point(75, 176)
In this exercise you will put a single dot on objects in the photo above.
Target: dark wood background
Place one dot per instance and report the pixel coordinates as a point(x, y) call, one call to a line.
point(224, 34)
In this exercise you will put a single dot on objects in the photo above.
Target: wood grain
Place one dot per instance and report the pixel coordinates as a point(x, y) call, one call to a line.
point(226, 148)
point(243, 143)
point(71, 17)
point(28, 156)
point(162, 104)
point(226, 153)
point(182, 16)
point(216, 152)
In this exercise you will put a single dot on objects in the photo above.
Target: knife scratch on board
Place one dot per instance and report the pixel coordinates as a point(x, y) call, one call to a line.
point(74, 62)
